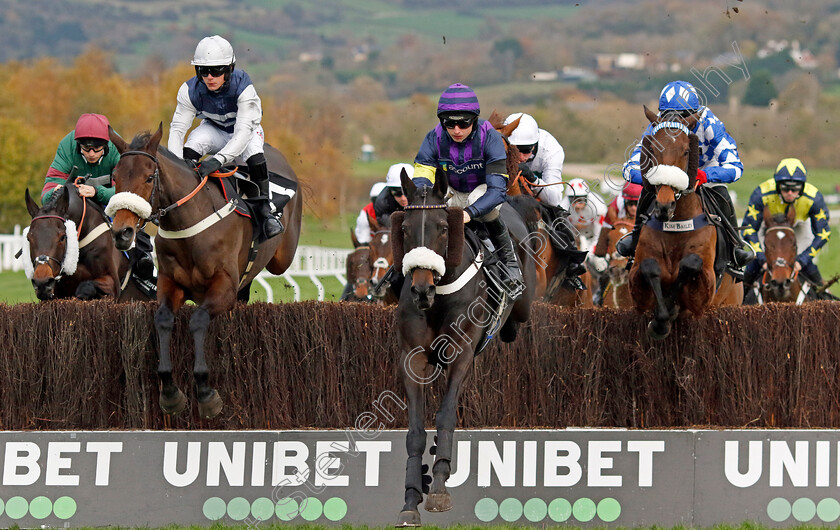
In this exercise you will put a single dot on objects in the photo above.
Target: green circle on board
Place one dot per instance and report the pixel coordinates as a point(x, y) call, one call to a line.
point(16, 507)
point(559, 510)
point(2, 506)
point(584, 509)
point(287, 509)
point(778, 509)
point(804, 509)
point(311, 509)
point(64, 507)
point(535, 510)
point(262, 509)
point(510, 509)
point(828, 510)
point(486, 510)
point(609, 509)
point(214, 508)
point(40, 507)
point(238, 508)
point(335, 509)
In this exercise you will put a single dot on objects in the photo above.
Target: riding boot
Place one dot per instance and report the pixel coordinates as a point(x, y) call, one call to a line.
point(512, 281)
point(141, 256)
point(742, 254)
point(258, 169)
point(191, 156)
point(600, 286)
point(626, 246)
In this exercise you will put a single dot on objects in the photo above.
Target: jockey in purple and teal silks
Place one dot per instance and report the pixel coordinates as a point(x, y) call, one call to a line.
point(473, 154)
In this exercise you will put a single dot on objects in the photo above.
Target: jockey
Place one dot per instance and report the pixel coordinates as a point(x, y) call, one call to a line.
point(788, 189)
point(473, 152)
point(391, 199)
point(622, 207)
point(719, 164)
point(541, 157)
point(90, 150)
point(363, 231)
point(231, 111)
point(586, 211)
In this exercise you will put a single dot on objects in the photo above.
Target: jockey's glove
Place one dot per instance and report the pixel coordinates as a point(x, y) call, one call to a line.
point(598, 263)
point(209, 166)
point(527, 173)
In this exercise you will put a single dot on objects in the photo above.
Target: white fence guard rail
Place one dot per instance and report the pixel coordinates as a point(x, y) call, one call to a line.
point(310, 262)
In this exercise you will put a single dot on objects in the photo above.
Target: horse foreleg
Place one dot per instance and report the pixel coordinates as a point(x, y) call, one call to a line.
point(172, 400)
point(690, 268)
point(439, 499)
point(415, 439)
point(660, 326)
point(220, 297)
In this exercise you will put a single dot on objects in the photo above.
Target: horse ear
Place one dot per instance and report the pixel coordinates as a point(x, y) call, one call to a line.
point(693, 158)
point(374, 224)
point(441, 182)
point(397, 239)
point(408, 186)
point(31, 205)
point(117, 140)
point(154, 141)
point(62, 201)
point(691, 121)
point(455, 246)
point(510, 127)
point(354, 239)
point(649, 114)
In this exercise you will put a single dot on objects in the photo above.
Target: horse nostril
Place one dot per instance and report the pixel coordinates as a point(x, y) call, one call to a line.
point(126, 232)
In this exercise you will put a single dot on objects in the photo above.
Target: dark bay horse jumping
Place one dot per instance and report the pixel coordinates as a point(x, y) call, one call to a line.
point(673, 272)
point(69, 251)
point(779, 283)
point(202, 248)
point(444, 312)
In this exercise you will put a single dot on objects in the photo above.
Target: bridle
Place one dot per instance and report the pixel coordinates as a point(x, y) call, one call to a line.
point(154, 217)
point(779, 261)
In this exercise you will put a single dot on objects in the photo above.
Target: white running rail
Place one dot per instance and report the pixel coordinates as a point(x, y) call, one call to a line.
point(313, 263)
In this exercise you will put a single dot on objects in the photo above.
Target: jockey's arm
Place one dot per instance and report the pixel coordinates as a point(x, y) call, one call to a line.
point(362, 229)
point(426, 161)
point(183, 118)
point(723, 165)
point(819, 226)
point(552, 173)
point(631, 167)
point(496, 180)
point(753, 219)
point(248, 117)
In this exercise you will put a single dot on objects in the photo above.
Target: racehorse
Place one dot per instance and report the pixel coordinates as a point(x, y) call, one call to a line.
point(74, 253)
point(617, 293)
point(673, 272)
point(445, 309)
point(204, 253)
point(779, 282)
point(381, 258)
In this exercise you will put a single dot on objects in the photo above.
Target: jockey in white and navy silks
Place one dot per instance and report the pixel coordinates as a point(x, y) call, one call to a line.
point(473, 154)
point(230, 109)
point(719, 163)
point(541, 158)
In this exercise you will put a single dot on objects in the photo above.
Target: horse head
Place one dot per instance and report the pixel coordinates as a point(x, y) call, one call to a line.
point(358, 274)
point(669, 160)
point(427, 238)
point(52, 245)
point(515, 184)
point(781, 251)
point(137, 183)
point(381, 258)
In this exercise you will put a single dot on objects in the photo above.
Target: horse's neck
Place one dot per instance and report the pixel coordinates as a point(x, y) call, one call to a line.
point(688, 207)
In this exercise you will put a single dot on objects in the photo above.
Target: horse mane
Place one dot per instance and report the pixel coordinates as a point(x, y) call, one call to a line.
point(139, 141)
point(397, 238)
point(496, 120)
point(50, 204)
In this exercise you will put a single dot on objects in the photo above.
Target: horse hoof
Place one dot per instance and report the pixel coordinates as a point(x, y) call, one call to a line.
point(658, 330)
point(210, 407)
point(438, 502)
point(174, 404)
point(408, 518)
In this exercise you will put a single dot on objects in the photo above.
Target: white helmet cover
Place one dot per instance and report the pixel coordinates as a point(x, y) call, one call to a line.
point(392, 180)
point(577, 188)
point(526, 133)
point(376, 189)
point(213, 51)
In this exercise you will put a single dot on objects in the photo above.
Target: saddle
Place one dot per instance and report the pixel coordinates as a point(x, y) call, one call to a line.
point(244, 192)
point(714, 207)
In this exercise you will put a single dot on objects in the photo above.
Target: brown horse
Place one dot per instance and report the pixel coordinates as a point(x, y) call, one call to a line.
point(617, 293)
point(673, 272)
point(444, 316)
point(202, 248)
point(358, 274)
point(381, 259)
point(70, 251)
point(779, 282)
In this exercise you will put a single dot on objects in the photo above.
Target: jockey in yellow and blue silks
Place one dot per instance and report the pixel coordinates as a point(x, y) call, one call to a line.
point(719, 163)
point(788, 189)
point(473, 154)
